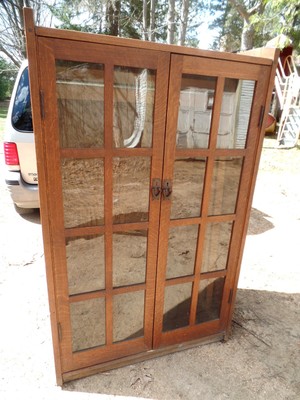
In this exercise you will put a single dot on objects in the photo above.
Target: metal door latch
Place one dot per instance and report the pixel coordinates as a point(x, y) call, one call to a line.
point(167, 189)
point(156, 188)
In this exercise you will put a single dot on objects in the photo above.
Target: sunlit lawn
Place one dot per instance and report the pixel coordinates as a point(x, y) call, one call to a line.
point(3, 112)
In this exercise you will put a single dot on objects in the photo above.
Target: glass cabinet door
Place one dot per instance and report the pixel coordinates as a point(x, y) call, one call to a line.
point(106, 137)
point(211, 115)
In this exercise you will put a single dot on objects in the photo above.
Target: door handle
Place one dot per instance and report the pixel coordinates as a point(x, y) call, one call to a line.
point(167, 189)
point(156, 189)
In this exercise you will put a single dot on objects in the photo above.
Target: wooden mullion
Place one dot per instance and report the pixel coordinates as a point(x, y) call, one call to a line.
point(134, 152)
point(192, 153)
point(82, 153)
point(179, 280)
point(221, 218)
point(198, 220)
point(108, 197)
point(136, 226)
point(213, 136)
point(74, 298)
point(185, 222)
point(97, 294)
point(214, 274)
point(84, 231)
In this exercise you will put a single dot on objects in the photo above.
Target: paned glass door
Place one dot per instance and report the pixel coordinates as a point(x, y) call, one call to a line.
point(108, 115)
point(211, 110)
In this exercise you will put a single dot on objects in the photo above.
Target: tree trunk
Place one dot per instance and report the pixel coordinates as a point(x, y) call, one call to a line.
point(171, 22)
point(184, 21)
point(112, 17)
point(247, 41)
point(152, 20)
point(145, 21)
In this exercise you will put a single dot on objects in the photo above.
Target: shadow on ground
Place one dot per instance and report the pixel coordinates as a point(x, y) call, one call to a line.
point(260, 360)
point(258, 222)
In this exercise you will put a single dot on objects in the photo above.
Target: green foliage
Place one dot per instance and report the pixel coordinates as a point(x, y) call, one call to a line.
point(7, 78)
point(230, 26)
point(124, 18)
point(278, 16)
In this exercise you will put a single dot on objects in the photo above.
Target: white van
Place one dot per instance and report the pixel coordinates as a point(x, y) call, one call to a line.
point(19, 148)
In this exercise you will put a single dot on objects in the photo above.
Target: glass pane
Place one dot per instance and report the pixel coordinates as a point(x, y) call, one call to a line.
point(80, 102)
point(21, 117)
point(88, 324)
point(209, 299)
point(129, 257)
point(216, 246)
point(182, 251)
point(131, 182)
point(187, 192)
point(225, 185)
point(85, 264)
point(177, 306)
point(235, 113)
point(134, 90)
point(128, 316)
point(195, 110)
point(83, 192)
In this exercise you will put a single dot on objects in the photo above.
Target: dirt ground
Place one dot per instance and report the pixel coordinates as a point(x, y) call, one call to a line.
point(260, 361)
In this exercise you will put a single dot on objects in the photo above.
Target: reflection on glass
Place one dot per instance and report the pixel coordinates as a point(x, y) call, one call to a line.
point(182, 251)
point(134, 90)
point(80, 102)
point(209, 299)
point(225, 184)
point(235, 113)
point(129, 257)
point(21, 116)
point(187, 187)
point(83, 189)
point(216, 246)
point(85, 264)
point(177, 306)
point(88, 324)
point(195, 110)
point(128, 316)
point(131, 181)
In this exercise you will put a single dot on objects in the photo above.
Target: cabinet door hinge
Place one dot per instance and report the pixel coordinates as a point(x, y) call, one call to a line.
point(261, 116)
point(42, 104)
point(230, 296)
point(59, 330)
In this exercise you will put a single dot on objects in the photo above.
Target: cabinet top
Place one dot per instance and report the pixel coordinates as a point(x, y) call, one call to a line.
point(262, 56)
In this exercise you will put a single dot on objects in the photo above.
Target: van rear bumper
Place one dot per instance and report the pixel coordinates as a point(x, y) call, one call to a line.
point(23, 194)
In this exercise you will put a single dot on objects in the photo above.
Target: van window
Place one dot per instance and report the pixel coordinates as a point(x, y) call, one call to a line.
point(21, 114)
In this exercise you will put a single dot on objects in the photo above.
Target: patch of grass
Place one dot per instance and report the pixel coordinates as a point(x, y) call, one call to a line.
point(3, 113)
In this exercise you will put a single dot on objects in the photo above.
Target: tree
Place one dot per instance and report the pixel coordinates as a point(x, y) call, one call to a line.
point(243, 24)
point(12, 37)
point(184, 21)
point(248, 9)
point(7, 76)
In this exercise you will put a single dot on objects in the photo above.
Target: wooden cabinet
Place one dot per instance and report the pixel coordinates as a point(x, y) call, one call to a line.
point(147, 156)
